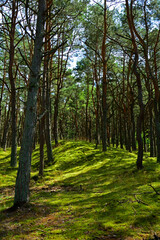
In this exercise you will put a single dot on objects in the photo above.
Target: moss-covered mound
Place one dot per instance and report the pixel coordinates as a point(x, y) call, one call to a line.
point(86, 194)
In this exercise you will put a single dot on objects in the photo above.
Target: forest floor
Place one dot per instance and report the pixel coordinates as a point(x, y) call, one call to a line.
point(87, 194)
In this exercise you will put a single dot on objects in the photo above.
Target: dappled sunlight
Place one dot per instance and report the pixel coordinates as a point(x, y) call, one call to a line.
point(87, 194)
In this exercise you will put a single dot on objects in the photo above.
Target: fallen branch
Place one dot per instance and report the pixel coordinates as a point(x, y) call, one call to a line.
point(140, 201)
point(154, 189)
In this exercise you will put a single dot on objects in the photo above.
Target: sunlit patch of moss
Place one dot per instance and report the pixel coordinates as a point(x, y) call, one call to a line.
point(86, 194)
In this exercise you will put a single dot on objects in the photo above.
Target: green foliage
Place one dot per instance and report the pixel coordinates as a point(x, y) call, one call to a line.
point(87, 194)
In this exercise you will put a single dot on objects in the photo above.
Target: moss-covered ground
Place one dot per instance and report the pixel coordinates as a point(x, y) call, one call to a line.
point(87, 194)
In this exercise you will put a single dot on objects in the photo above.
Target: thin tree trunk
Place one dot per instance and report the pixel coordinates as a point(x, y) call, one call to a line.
point(42, 128)
point(56, 117)
point(48, 123)
point(157, 123)
point(1, 111)
point(133, 129)
point(129, 136)
point(90, 129)
point(144, 138)
point(120, 131)
point(151, 132)
point(41, 136)
point(6, 129)
point(48, 66)
point(13, 88)
point(87, 118)
point(104, 82)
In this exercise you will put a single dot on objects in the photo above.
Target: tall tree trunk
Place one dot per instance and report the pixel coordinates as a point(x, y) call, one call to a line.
point(104, 82)
point(23, 175)
point(12, 83)
point(97, 110)
point(48, 122)
point(48, 77)
point(138, 80)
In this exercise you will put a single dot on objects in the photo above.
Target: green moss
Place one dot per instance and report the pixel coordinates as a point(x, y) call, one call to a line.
point(87, 194)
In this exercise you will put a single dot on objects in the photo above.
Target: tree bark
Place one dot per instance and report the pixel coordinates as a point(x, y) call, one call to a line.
point(42, 128)
point(23, 175)
point(6, 129)
point(48, 77)
point(138, 80)
point(13, 87)
point(48, 122)
point(151, 132)
point(104, 82)
point(133, 129)
point(157, 123)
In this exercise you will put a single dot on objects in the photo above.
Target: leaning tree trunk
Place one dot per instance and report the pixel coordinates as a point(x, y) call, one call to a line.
point(23, 175)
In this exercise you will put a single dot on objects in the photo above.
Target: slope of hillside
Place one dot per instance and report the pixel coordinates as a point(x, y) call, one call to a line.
point(87, 194)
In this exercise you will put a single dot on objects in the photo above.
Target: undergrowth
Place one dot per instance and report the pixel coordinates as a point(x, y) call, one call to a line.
point(86, 194)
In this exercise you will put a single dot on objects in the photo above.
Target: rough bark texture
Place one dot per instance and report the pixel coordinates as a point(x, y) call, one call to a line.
point(23, 176)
